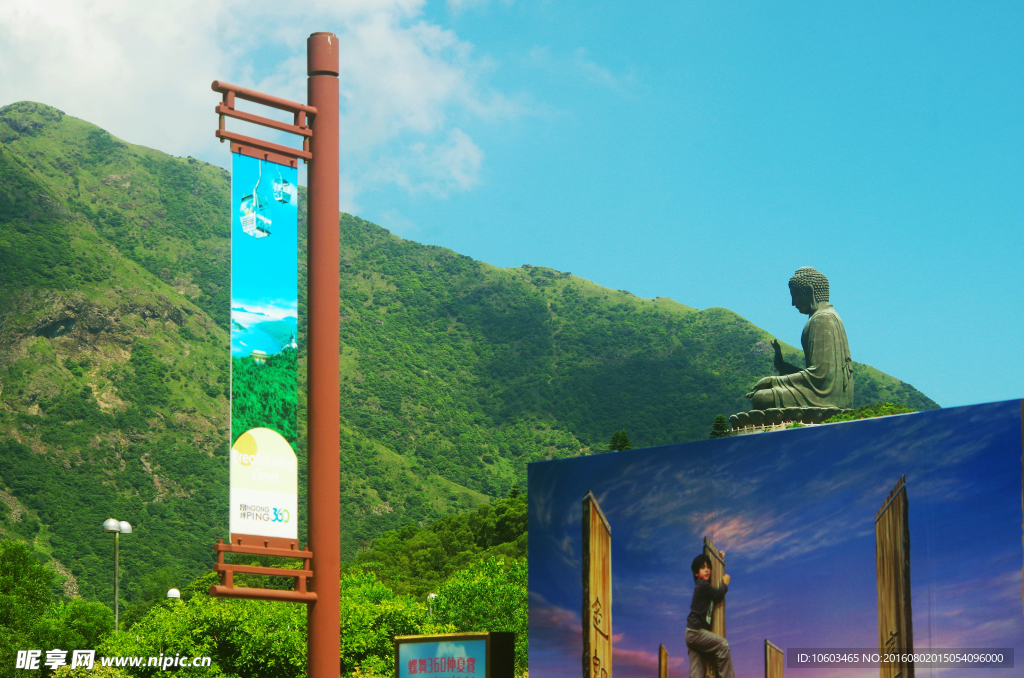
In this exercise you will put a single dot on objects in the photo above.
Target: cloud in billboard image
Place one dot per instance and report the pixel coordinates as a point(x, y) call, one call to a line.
point(265, 328)
point(911, 522)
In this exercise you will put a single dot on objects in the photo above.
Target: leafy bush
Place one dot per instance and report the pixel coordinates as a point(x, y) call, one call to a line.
point(419, 560)
point(251, 638)
point(489, 596)
point(870, 411)
point(32, 617)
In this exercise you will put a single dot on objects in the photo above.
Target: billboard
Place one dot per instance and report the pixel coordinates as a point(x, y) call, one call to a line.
point(264, 331)
point(474, 654)
point(844, 543)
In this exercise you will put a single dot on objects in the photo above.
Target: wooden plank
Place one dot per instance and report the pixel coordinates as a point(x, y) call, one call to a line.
point(255, 569)
point(774, 661)
point(262, 594)
point(718, 609)
point(597, 591)
point(717, 571)
point(262, 146)
point(222, 109)
point(662, 661)
point(892, 573)
point(253, 544)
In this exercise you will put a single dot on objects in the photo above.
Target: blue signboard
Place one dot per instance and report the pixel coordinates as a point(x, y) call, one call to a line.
point(447, 658)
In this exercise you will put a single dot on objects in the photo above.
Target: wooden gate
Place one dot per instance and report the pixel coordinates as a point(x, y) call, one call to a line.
point(597, 591)
point(774, 662)
point(892, 572)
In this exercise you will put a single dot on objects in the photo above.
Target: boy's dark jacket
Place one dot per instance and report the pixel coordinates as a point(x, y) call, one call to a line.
point(704, 595)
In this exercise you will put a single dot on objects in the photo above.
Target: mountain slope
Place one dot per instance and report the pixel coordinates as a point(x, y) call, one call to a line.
point(114, 286)
point(471, 370)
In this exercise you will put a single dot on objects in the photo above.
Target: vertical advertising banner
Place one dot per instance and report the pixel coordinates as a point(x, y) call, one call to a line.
point(264, 330)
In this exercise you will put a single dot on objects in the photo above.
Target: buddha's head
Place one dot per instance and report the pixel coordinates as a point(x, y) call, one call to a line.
point(809, 289)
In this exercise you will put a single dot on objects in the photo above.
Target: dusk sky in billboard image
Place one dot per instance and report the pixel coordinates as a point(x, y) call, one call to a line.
point(794, 512)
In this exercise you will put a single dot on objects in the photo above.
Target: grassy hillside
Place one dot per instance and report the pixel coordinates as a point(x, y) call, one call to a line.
point(114, 362)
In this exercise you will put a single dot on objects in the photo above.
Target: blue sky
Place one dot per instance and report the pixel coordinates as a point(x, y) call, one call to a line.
point(698, 151)
point(794, 512)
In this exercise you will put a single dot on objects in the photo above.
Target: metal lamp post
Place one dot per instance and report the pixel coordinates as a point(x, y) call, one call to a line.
point(117, 527)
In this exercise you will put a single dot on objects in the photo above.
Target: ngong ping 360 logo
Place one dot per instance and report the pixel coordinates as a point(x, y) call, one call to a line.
point(267, 514)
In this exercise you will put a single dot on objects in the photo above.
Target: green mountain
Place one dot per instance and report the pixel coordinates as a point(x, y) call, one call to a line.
point(114, 363)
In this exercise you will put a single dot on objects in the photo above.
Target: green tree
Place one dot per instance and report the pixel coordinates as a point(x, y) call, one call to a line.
point(75, 624)
point(620, 441)
point(720, 429)
point(97, 671)
point(153, 590)
point(31, 618)
point(245, 638)
point(871, 411)
point(488, 596)
point(255, 638)
point(417, 560)
point(24, 598)
point(371, 616)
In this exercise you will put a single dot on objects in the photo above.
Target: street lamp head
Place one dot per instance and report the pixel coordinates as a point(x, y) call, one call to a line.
point(126, 527)
point(111, 525)
point(174, 593)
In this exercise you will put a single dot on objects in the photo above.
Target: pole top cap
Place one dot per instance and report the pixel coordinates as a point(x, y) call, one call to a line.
point(322, 54)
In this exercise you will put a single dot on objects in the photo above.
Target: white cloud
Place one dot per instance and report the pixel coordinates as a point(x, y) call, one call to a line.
point(143, 71)
point(599, 75)
point(397, 223)
point(579, 66)
point(437, 168)
point(459, 6)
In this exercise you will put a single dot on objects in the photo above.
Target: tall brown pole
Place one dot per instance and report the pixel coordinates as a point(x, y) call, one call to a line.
point(323, 473)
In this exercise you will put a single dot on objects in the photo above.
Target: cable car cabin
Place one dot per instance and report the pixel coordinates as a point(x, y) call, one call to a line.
point(284, 191)
point(254, 215)
point(255, 210)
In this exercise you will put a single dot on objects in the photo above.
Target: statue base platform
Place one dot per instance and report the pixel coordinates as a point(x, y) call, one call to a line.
point(776, 419)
